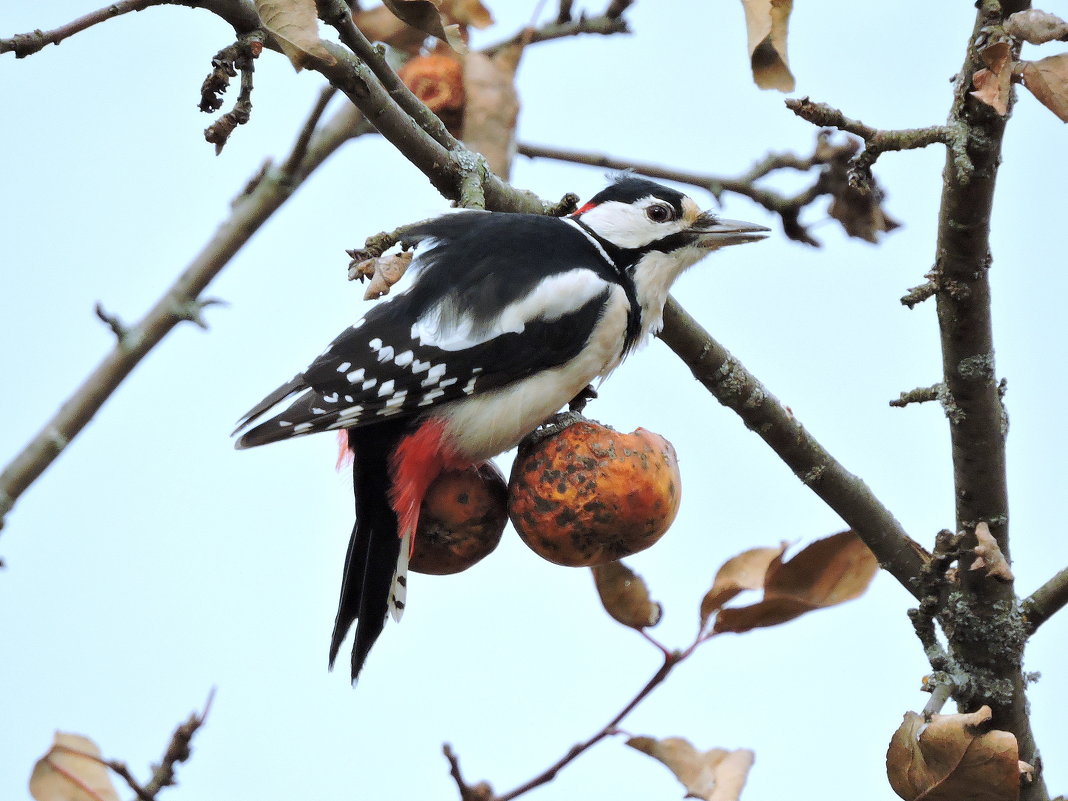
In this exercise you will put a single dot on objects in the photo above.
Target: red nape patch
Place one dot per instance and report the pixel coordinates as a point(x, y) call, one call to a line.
point(582, 210)
point(345, 454)
point(418, 460)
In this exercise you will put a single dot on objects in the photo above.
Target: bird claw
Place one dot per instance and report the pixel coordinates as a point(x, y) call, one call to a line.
point(550, 428)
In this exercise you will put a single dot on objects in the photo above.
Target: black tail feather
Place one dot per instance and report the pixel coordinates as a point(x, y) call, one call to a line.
point(290, 387)
point(374, 546)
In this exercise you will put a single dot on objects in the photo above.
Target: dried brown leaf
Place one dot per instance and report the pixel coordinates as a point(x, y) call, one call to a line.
point(466, 12)
point(766, 23)
point(714, 775)
point(71, 771)
point(379, 24)
point(830, 571)
point(492, 107)
point(988, 555)
point(745, 571)
point(1036, 27)
point(951, 757)
point(993, 85)
point(295, 24)
point(860, 212)
point(625, 596)
point(1047, 80)
point(383, 273)
point(424, 16)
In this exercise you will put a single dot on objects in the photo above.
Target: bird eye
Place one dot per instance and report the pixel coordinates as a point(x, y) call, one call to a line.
point(660, 213)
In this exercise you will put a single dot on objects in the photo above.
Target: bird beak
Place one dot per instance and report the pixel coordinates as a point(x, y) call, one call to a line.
point(714, 232)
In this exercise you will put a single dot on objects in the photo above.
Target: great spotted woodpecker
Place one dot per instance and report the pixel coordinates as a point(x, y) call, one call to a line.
point(507, 318)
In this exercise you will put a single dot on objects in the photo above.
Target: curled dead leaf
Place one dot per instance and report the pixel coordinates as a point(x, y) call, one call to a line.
point(492, 107)
point(1036, 27)
point(988, 555)
point(766, 23)
point(295, 24)
point(383, 273)
point(746, 571)
point(860, 211)
point(993, 85)
point(1047, 80)
point(625, 596)
point(953, 757)
point(72, 771)
point(714, 775)
point(827, 572)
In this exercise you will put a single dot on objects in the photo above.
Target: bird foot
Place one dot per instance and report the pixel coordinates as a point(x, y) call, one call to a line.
point(585, 395)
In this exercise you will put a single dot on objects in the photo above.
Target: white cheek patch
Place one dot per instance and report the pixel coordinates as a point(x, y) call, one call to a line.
point(626, 225)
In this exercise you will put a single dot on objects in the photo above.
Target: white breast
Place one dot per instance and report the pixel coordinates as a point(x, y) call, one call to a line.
point(488, 424)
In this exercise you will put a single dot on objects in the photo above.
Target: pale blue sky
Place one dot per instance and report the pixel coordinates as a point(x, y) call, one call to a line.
point(152, 562)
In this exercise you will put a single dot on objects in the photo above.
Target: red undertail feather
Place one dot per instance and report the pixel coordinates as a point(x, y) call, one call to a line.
point(417, 461)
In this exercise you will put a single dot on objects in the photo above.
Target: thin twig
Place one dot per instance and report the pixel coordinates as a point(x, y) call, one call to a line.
point(26, 44)
point(179, 303)
point(918, 395)
point(239, 14)
point(602, 26)
point(670, 661)
point(178, 750)
point(300, 147)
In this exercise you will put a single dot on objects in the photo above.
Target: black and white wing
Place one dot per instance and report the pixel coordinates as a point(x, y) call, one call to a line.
point(477, 317)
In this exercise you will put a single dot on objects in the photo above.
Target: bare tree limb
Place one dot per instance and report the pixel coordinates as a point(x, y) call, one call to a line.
point(876, 141)
point(1046, 601)
point(240, 14)
point(179, 303)
point(26, 44)
point(736, 388)
point(788, 208)
point(603, 25)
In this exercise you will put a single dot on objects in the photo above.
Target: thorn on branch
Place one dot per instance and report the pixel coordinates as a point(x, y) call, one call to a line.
point(227, 63)
point(192, 310)
point(564, 14)
point(918, 395)
point(111, 321)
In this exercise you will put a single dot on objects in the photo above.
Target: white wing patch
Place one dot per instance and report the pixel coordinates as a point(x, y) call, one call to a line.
point(555, 297)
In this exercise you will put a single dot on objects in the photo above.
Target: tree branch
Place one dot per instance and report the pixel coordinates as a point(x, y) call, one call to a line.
point(181, 302)
point(788, 208)
point(603, 25)
point(876, 141)
point(736, 388)
point(26, 44)
point(240, 14)
point(670, 661)
point(1046, 601)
